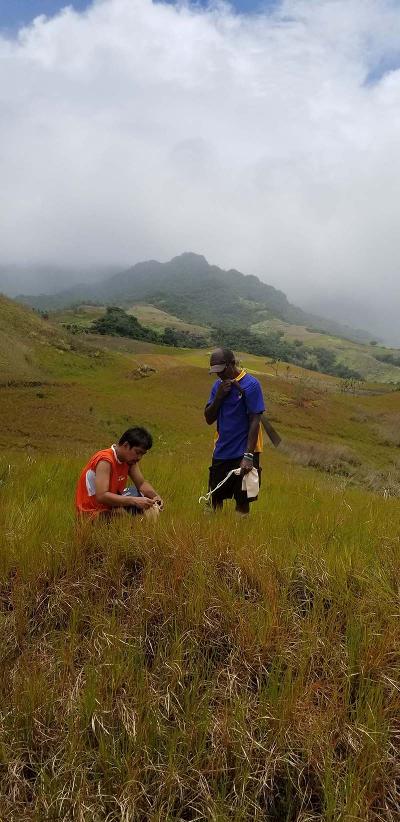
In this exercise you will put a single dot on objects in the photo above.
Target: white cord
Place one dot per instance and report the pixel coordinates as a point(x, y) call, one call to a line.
point(208, 496)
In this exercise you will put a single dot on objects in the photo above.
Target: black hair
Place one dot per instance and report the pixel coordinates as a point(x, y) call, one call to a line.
point(137, 436)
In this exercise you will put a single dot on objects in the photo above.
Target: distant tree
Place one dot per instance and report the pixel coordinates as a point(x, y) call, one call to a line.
point(275, 364)
point(117, 322)
point(169, 337)
point(184, 339)
point(388, 358)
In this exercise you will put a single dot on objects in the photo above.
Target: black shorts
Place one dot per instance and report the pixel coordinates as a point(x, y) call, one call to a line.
point(233, 486)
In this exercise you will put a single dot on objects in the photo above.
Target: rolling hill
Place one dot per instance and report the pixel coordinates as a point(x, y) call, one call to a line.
point(363, 359)
point(25, 342)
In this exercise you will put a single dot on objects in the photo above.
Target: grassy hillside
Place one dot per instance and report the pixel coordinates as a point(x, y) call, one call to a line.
point(200, 668)
point(358, 356)
point(148, 315)
point(24, 341)
point(159, 320)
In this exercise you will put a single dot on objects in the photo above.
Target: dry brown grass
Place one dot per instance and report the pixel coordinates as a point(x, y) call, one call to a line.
point(207, 669)
point(388, 430)
point(331, 458)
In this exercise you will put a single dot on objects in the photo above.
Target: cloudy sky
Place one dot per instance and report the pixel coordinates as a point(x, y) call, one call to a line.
point(263, 135)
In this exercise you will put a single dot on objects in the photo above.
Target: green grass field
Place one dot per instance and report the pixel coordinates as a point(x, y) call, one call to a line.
point(200, 667)
point(158, 320)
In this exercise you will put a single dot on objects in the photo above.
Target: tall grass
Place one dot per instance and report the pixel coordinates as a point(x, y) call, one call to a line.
point(202, 667)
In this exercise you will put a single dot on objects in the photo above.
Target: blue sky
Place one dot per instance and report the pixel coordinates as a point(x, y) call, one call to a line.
point(14, 13)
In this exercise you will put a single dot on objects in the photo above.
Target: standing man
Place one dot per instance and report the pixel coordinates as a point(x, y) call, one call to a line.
point(102, 484)
point(235, 404)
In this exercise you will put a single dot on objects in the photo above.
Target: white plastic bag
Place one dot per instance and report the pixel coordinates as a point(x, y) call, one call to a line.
point(251, 483)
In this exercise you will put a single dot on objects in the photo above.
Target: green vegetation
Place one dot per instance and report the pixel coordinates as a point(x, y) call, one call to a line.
point(183, 339)
point(390, 358)
point(315, 350)
point(158, 320)
point(116, 322)
point(364, 359)
point(275, 346)
point(200, 667)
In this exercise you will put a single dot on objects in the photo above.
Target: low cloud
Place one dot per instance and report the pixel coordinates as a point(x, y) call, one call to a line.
point(269, 142)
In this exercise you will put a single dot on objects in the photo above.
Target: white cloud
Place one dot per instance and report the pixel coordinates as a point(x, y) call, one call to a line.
point(269, 142)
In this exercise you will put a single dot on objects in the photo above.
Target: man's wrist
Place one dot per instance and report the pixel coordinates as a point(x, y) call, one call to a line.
point(248, 455)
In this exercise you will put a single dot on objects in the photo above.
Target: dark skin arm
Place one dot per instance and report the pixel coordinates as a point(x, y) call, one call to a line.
point(211, 411)
point(254, 426)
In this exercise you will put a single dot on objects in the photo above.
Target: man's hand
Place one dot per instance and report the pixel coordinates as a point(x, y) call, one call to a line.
point(211, 411)
point(246, 466)
point(143, 503)
point(223, 389)
point(159, 502)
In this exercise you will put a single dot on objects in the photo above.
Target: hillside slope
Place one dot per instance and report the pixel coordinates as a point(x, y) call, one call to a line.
point(35, 350)
point(363, 358)
point(24, 339)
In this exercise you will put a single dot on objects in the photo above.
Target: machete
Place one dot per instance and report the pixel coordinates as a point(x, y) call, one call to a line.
point(268, 428)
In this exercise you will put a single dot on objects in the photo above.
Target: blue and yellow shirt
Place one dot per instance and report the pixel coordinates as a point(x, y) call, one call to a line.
point(233, 417)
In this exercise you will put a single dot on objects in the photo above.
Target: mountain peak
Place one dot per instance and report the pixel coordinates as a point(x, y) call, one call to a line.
point(190, 258)
point(188, 286)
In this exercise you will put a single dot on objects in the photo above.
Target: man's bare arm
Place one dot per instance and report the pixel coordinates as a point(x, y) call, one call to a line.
point(144, 485)
point(106, 497)
point(252, 437)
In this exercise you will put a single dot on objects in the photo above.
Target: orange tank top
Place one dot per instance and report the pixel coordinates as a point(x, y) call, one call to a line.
point(85, 499)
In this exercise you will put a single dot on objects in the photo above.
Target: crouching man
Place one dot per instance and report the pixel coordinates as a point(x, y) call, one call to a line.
point(103, 485)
